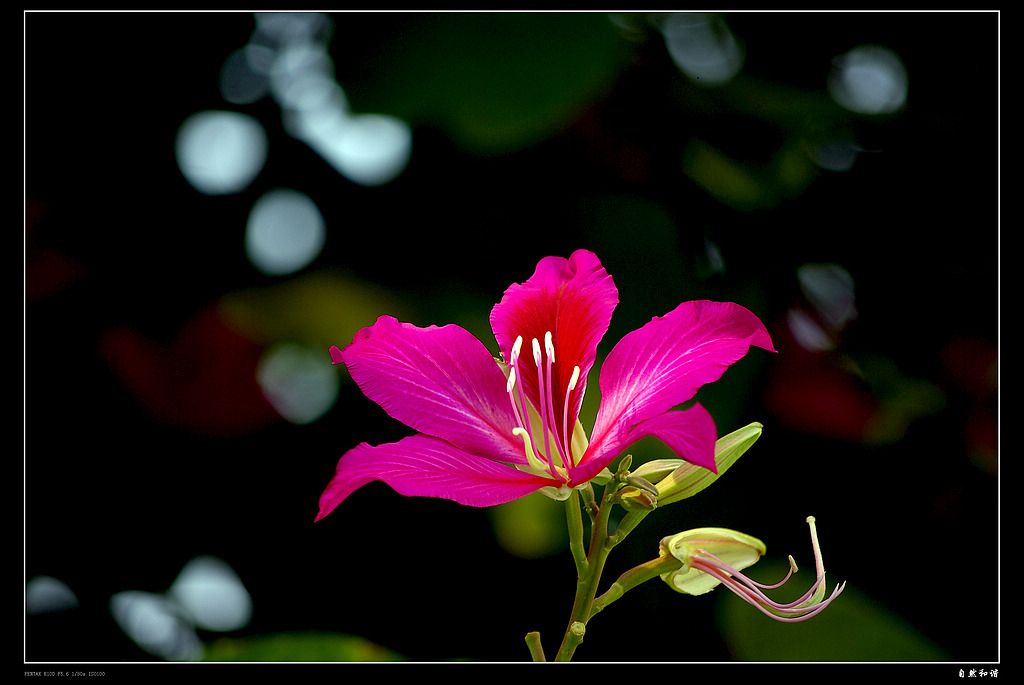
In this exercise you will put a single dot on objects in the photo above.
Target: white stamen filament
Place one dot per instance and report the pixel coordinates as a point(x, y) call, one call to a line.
point(545, 399)
point(549, 419)
point(565, 412)
point(545, 411)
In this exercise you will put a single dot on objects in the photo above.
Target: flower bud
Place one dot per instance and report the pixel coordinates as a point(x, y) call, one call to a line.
point(710, 556)
point(689, 479)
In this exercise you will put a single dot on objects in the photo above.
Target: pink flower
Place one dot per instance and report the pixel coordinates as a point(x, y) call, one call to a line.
point(490, 431)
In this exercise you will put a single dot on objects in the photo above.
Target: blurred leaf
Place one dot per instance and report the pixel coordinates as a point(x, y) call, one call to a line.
point(530, 527)
point(320, 309)
point(497, 82)
point(307, 646)
point(726, 179)
point(852, 628)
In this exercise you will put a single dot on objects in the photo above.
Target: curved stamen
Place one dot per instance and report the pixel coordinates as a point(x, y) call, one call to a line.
point(511, 383)
point(545, 400)
point(521, 410)
point(766, 605)
point(806, 606)
point(549, 448)
point(531, 456)
point(559, 441)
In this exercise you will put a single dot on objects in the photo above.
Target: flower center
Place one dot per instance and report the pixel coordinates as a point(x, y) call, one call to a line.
point(547, 438)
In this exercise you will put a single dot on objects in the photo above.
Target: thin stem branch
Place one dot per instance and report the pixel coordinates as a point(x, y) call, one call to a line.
point(575, 519)
point(533, 644)
point(633, 577)
point(587, 581)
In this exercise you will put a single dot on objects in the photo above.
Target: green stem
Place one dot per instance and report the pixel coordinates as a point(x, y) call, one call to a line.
point(533, 644)
point(587, 580)
point(575, 519)
point(633, 577)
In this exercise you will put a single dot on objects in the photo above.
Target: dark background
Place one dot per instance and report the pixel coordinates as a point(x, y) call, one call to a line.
point(147, 441)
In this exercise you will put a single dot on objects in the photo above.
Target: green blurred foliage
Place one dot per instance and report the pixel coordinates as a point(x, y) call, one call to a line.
point(319, 308)
point(496, 83)
point(300, 646)
point(853, 628)
point(530, 527)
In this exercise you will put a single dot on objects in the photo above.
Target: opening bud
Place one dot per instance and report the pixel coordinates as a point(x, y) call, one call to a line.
point(713, 556)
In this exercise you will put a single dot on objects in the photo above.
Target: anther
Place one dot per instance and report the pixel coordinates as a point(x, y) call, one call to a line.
point(573, 380)
point(549, 347)
point(517, 346)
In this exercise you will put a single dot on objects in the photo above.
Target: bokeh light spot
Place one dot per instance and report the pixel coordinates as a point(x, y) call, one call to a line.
point(213, 595)
point(370, 149)
point(245, 74)
point(221, 152)
point(830, 290)
point(703, 47)
point(45, 594)
point(869, 79)
point(284, 233)
point(156, 624)
point(300, 383)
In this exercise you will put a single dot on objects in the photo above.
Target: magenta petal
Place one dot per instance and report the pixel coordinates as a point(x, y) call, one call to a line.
point(662, 364)
point(689, 433)
point(439, 381)
point(336, 357)
point(573, 299)
point(424, 466)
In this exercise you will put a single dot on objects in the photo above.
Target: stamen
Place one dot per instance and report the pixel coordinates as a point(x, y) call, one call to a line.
point(547, 444)
point(814, 544)
point(819, 565)
point(812, 602)
point(517, 346)
point(549, 347)
point(531, 456)
point(743, 586)
point(573, 380)
point(521, 410)
point(544, 396)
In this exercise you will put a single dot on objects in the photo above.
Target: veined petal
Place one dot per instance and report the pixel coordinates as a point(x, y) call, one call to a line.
point(420, 465)
point(690, 433)
point(438, 381)
point(663, 363)
point(573, 299)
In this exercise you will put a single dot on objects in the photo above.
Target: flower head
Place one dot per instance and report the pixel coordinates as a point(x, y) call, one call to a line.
point(490, 431)
point(711, 556)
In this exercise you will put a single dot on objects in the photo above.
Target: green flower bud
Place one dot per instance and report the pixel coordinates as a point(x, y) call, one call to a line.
point(689, 479)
